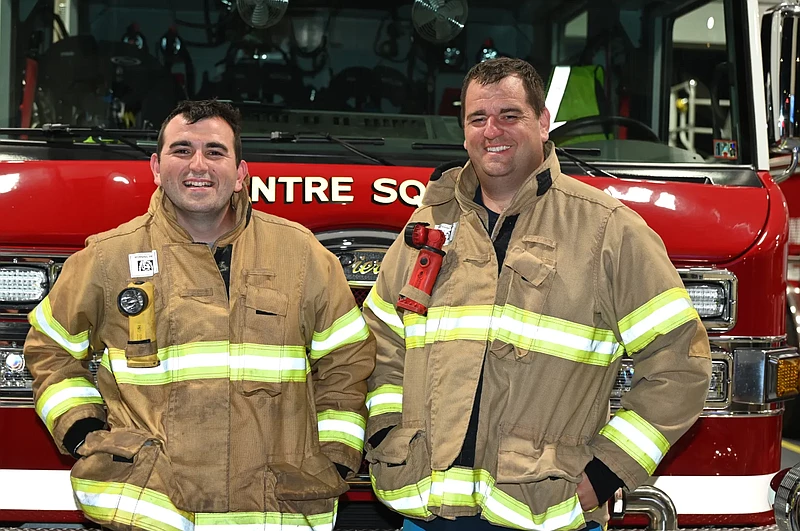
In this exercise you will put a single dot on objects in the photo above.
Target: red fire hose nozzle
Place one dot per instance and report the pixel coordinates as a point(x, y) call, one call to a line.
point(429, 261)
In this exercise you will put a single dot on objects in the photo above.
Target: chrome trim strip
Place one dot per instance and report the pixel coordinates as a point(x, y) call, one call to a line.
point(730, 285)
point(748, 340)
point(749, 413)
point(25, 253)
point(27, 402)
point(358, 238)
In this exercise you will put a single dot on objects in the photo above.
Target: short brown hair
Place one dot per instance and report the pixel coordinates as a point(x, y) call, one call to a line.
point(495, 70)
point(194, 111)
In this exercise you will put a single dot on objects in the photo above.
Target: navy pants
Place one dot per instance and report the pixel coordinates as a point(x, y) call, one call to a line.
point(467, 523)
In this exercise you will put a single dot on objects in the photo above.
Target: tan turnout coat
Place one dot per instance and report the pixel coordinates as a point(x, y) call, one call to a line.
point(584, 282)
point(257, 393)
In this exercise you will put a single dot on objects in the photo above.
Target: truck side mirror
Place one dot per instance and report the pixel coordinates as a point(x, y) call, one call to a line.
point(780, 44)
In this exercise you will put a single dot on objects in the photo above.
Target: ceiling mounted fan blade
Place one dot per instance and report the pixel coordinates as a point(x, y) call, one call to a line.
point(423, 13)
point(261, 15)
point(444, 29)
point(455, 9)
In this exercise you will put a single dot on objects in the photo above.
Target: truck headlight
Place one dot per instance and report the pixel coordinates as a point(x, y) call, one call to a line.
point(713, 293)
point(718, 389)
point(708, 299)
point(22, 285)
point(16, 381)
point(13, 374)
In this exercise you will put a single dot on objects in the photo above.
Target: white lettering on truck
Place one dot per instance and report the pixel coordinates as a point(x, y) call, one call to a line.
point(385, 191)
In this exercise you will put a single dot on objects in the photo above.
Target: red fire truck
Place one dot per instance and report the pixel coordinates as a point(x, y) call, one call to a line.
point(671, 106)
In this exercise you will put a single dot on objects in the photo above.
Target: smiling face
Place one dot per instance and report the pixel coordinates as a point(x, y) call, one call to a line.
point(197, 169)
point(502, 133)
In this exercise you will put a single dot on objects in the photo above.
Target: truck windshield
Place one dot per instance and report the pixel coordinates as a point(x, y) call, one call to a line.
point(635, 81)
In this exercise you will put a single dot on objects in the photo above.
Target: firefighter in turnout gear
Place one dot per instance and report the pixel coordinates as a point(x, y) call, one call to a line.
point(232, 383)
point(492, 409)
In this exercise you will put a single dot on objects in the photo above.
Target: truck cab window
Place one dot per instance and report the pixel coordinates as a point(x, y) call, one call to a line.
point(702, 87)
point(618, 75)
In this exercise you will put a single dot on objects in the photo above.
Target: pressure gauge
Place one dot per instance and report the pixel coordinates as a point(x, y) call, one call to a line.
point(132, 301)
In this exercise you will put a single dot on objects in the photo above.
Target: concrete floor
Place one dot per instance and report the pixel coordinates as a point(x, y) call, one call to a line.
point(790, 453)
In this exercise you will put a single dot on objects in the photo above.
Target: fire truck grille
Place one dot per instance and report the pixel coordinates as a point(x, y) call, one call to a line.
point(360, 295)
point(794, 231)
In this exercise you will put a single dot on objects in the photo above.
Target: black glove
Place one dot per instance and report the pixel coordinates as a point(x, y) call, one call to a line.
point(77, 433)
point(603, 480)
point(343, 470)
point(379, 436)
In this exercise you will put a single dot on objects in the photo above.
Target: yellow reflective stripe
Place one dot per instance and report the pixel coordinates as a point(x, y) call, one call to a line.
point(638, 438)
point(415, 329)
point(347, 329)
point(448, 323)
point(272, 521)
point(411, 500)
point(60, 397)
point(459, 487)
point(214, 359)
point(556, 337)
point(386, 398)
point(343, 427)
point(660, 315)
point(130, 505)
point(384, 311)
point(41, 318)
point(518, 327)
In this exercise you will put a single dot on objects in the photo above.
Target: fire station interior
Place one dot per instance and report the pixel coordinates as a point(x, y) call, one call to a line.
point(628, 82)
point(656, 78)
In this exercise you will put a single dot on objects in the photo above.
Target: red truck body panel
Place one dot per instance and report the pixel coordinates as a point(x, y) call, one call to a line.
point(701, 223)
point(52, 206)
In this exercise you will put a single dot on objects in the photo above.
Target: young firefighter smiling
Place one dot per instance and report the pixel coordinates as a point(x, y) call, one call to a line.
point(492, 409)
point(235, 363)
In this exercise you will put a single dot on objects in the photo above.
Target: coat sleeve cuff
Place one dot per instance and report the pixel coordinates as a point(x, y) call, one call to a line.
point(603, 480)
point(343, 470)
point(77, 433)
point(379, 436)
point(342, 455)
point(380, 422)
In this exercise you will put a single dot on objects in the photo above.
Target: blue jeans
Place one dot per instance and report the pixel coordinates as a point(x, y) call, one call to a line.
point(467, 523)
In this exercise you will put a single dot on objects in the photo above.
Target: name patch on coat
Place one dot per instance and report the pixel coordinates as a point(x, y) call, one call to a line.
point(143, 264)
point(449, 231)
